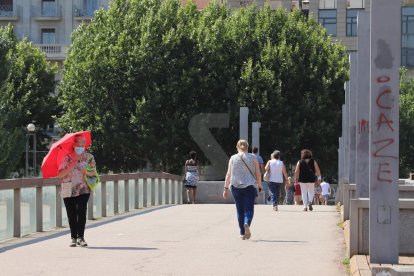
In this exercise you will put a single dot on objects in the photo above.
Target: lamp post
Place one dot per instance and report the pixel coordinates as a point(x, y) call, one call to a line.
point(31, 128)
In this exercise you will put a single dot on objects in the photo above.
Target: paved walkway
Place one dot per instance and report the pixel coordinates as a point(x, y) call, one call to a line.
point(197, 239)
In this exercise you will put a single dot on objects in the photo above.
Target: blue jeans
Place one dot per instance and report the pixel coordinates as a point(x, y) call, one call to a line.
point(274, 190)
point(244, 198)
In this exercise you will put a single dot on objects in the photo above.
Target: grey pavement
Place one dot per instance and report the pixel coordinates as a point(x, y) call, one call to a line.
point(199, 239)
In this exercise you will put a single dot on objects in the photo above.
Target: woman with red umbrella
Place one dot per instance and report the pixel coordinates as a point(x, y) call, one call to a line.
point(75, 190)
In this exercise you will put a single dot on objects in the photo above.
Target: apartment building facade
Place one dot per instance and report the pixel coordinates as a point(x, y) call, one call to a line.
point(49, 23)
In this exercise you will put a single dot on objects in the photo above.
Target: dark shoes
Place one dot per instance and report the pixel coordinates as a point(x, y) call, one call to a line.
point(310, 207)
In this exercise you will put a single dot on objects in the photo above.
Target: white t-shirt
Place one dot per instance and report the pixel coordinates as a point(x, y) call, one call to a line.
point(276, 171)
point(325, 188)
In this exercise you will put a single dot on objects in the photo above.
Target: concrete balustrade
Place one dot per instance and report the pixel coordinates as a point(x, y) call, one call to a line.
point(406, 190)
point(359, 226)
point(157, 189)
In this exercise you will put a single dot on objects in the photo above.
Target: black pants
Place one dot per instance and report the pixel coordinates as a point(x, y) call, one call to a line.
point(76, 211)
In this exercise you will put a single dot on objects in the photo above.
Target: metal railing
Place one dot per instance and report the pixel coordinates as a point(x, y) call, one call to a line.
point(33, 200)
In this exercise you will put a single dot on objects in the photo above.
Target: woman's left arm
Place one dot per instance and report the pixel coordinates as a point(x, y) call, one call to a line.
point(258, 174)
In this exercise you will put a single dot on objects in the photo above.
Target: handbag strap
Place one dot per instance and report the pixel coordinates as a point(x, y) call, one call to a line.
point(241, 157)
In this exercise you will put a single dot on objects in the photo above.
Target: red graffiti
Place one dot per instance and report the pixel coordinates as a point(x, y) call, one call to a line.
point(383, 79)
point(381, 171)
point(389, 141)
point(384, 120)
point(363, 126)
point(386, 91)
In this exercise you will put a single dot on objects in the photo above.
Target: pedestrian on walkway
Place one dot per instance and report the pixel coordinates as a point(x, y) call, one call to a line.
point(243, 177)
point(326, 191)
point(73, 170)
point(255, 152)
point(290, 192)
point(307, 172)
point(298, 194)
point(277, 170)
point(191, 177)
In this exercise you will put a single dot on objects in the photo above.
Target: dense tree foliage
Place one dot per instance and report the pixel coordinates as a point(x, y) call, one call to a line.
point(27, 83)
point(406, 124)
point(140, 71)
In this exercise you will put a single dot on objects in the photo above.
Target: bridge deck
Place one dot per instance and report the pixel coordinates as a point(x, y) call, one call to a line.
point(197, 239)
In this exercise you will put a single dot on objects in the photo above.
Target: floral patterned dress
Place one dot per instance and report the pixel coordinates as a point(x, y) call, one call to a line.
point(191, 174)
point(79, 185)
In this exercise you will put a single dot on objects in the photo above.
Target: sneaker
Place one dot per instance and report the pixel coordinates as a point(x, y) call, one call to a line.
point(82, 242)
point(310, 207)
point(247, 233)
point(72, 243)
point(274, 208)
point(305, 209)
point(242, 237)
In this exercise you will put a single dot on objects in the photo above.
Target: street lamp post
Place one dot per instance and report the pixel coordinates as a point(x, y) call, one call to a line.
point(31, 128)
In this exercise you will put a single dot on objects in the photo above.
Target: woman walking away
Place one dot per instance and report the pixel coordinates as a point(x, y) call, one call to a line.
point(72, 171)
point(244, 176)
point(305, 172)
point(191, 177)
point(277, 170)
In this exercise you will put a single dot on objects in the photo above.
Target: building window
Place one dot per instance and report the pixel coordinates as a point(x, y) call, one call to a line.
point(355, 4)
point(351, 22)
point(48, 36)
point(49, 8)
point(327, 4)
point(407, 36)
point(327, 18)
point(6, 7)
point(89, 7)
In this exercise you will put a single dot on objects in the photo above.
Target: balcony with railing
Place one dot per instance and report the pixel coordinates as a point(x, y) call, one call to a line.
point(54, 51)
point(49, 13)
point(83, 14)
point(9, 13)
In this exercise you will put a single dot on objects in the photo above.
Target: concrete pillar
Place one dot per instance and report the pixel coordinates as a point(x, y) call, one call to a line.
point(352, 116)
point(244, 123)
point(384, 131)
point(256, 135)
point(362, 112)
point(346, 133)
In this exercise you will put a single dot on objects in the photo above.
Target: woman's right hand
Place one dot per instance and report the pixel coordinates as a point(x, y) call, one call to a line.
point(225, 193)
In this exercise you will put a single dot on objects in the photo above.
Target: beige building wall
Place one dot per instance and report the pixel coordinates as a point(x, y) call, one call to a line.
point(30, 17)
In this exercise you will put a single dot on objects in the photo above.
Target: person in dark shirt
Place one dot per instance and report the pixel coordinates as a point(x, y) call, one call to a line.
point(307, 172)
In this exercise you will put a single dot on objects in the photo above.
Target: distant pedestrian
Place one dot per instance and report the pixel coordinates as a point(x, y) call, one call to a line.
point(255, 151)
point(290, 192)
point(326, 191)
point(317, 196)
point(277, 170)
point(243, 177)
point(191, 177)
point(305, 174)
point(298, 194)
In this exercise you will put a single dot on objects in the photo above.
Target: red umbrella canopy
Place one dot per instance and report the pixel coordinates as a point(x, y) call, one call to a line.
point(59, 149)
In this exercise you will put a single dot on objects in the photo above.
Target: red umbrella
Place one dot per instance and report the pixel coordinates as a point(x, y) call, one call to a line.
point(59, 149)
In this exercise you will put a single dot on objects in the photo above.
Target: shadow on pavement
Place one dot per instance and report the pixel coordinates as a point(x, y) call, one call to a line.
point(280, 241)
point(120, 248)
point(32, 240)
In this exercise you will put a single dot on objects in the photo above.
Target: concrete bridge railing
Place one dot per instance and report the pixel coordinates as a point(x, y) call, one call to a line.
point(30, 205)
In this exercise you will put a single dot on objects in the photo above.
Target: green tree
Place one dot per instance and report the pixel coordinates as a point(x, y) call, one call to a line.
point(406, 124)
point(151, 65)
point(26, 95)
